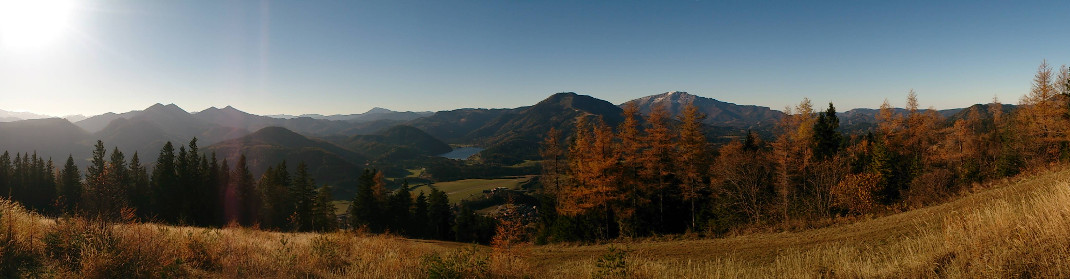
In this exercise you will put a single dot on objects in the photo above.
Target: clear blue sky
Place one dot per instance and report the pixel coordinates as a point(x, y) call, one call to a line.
point(329, 57)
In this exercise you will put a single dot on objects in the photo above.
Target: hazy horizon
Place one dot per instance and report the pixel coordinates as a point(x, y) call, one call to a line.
point(268, 58)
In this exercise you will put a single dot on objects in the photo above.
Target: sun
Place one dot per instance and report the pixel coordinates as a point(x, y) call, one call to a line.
point(32, 24)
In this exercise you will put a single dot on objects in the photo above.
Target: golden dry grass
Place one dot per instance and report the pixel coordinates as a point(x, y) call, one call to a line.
point(1013, 228)
point(1017, 228)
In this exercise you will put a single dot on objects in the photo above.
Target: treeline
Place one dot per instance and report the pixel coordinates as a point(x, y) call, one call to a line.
point(653, 175)
point(183, 188)
point(377, 210)
point(188, 188)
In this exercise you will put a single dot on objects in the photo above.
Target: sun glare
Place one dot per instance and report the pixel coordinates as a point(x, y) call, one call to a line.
point(32, 24)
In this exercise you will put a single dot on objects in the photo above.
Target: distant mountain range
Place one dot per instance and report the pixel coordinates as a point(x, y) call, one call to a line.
point(374, 114)
point(336, 147)
point(8, 116)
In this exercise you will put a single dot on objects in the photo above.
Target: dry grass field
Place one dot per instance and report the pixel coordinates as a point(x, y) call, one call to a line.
point(463, 189)
point(1013, 228)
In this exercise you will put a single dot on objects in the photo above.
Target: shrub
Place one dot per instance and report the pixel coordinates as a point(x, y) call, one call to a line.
point(462, 263)
point(855, 192)
point(611, 264)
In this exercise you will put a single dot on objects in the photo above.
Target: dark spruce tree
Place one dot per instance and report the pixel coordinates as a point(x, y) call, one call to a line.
point(399, 210)
point(70, 185)
point(323, 212)
point(247, 206)
point(364, 211)
point(439, 215)
point(420, 222)
point(6, 174)
point(827, 138)
point(303, 193)
point(277, 204)
point(138, 194)
point(165, 186)
point(222, 184)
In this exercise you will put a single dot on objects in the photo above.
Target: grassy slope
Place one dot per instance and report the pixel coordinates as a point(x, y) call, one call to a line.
point(461, 189)
point(1016, 228)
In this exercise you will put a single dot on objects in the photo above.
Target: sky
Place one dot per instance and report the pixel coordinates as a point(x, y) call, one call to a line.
point(340, 57)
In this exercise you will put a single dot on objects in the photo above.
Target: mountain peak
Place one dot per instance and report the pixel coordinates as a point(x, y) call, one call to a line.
point(378, 110)
point(164, 108)
point(717, 112)
point(231, 109)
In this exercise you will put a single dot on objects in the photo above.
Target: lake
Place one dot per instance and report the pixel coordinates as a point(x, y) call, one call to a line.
point(462, 153)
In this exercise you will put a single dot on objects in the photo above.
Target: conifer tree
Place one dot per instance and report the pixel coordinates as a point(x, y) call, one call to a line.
point(323, 212)
point(303, 193)
point(165, 185)
point(277, 202)
point(827, 140)
point(115, 192)
point(6, 174)
point(465, 225)
point(420, 222)
point(70, 185)
point(658, 160)
point(138, 194)
point(553, 162)
point(399, 209)
point(364, 209)
point(223, 192)
point(248, 205)
point(631, 163)
point(96, 183)
point(693, 157)
point(439, 214)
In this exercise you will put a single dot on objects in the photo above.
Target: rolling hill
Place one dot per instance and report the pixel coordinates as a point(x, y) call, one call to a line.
point(54, 138)
point(454, 126)
point(512, 135)
point(270, 146)
point(396, 143)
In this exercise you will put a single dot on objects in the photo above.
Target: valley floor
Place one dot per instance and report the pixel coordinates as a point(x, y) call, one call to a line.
point(1014, 228)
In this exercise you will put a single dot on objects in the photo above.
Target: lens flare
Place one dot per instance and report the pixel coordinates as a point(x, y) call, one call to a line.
point(32, 24)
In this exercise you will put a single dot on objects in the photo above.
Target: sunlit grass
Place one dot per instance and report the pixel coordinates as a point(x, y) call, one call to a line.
point(1013, 228)
point(463, 189)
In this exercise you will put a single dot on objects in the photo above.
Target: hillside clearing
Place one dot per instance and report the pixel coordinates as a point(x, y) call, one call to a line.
point(463, 189)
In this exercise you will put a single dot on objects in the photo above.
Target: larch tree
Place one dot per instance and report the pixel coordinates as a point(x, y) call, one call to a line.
point(1040, 119)
point(553, 162)
point(692, 157)
point(792, 152)
point(629, 152)
point(657, 161)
